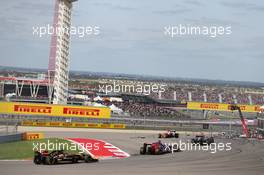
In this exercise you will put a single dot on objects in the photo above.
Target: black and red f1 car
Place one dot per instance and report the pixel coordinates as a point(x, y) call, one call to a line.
point(202, 140)
point(169, 134)
point(156, 148)
point(56, 157)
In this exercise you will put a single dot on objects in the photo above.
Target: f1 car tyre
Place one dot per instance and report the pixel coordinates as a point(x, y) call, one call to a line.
point(149, 151)
point(142, 150)
point(75, 159)
point(210, 140)
point(88, 159)
point(50, 160)
point(37, 160)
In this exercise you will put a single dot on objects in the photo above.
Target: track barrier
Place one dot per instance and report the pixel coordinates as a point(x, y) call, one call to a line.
point(32, 135)
point(74, 125)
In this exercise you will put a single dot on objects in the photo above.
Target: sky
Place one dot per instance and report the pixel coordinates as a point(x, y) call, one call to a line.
point(132, 38)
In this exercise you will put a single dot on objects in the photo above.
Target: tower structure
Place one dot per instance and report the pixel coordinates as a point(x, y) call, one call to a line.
point(58, 69)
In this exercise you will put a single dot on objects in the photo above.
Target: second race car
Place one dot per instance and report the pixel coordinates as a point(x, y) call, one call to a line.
point(157, 148)
point(169, 134)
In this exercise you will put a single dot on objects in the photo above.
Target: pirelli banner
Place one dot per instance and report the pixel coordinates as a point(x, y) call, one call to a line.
point(221, 107)
point(54, 110)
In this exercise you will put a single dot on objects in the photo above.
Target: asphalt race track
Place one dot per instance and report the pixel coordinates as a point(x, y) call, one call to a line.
point(246, 157)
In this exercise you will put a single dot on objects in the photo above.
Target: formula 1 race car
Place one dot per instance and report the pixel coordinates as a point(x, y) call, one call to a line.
point(56, 157)
point(202, 140)
point(157, 148)
point(169, 134)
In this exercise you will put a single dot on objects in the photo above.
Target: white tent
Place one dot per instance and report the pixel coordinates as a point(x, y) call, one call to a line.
point(261, 109)
point(116, 99)
point(115, 109)
point(98, 105)
point(10, 95)
point(98, 98)
point(79, 96)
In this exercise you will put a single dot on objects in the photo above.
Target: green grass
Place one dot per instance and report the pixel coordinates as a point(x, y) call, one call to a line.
point(24, 149)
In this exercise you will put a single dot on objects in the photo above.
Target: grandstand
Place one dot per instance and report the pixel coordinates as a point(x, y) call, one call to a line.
point(176, 92)
point(151, 111)
point(184, 92)
point(216, 94)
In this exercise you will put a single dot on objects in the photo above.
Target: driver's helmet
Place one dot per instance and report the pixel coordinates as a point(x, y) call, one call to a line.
point(45, 152)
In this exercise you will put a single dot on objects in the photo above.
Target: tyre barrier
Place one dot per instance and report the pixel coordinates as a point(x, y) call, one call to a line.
point(32, 135)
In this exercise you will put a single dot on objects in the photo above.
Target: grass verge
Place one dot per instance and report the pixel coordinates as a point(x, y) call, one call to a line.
point(24, 149)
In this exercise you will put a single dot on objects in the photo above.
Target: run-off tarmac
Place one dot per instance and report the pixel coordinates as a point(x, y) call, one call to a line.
point(246, 157)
